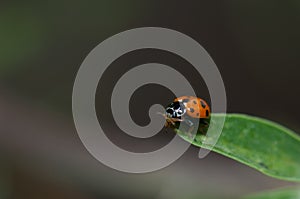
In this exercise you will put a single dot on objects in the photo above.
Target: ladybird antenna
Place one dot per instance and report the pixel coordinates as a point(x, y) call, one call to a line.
point(164, 115)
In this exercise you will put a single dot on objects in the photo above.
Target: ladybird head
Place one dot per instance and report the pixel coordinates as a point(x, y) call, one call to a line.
point(175, 110)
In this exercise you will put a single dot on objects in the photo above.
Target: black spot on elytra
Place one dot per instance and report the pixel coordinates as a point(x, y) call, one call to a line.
point(202, 104)
point(192, 110)
point(197, 114)
point(195, 102)
point(206, 113)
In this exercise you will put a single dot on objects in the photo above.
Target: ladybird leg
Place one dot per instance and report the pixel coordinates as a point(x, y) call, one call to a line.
point(173, 123)
point(190, 132)
point(168, 121)
point(178, 120)
point(204, 124)
point(162, 114)
point(166, 124)
point(189, 122)
point(201, 130)
point(191, 127)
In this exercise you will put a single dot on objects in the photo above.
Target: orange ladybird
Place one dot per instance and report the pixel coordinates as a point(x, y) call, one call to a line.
point(187, 109)
point(195, 107)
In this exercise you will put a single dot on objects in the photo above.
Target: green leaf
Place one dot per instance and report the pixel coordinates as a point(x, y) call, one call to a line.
point(286, 193)
point(261, 144)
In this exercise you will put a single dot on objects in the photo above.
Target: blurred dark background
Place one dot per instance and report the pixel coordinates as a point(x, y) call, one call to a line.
point(255, 45)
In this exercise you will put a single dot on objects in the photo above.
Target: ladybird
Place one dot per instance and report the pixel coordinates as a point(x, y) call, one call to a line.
point(187, 109)
point(195, 107)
